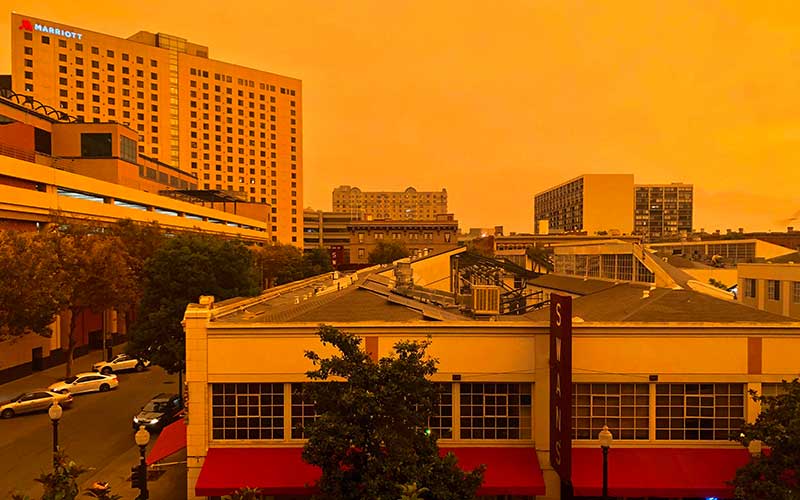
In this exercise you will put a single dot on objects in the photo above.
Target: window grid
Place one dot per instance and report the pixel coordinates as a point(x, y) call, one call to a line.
point(303, 411)
point(441, 423)
point(796, 292)
point(624, 408)
point(495, 411)
point(750, 288)
point(773, 290)
point(247, 411)
point(699, 411)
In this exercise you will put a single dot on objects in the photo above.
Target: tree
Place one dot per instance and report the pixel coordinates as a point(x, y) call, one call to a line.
point(278, 264)
point(179, 272)
point(25, 259)
point(94, 273)
point(370, 436)
point(774, 475)
point(386, 252)
point(316, 261)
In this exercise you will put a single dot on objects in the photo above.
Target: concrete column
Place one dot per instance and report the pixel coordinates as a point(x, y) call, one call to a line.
point(195, 322)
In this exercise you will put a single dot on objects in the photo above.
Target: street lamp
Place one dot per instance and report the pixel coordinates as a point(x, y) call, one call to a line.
point(55, 412)
point(142, 437)
point(605, 438)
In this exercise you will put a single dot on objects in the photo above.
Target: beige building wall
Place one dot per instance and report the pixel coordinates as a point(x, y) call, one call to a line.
point(608, 203)
point(788, 277)
point(389, 205)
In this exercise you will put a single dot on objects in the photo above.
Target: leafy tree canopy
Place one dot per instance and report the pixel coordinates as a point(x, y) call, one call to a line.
point(181, 270)
point(30, 293)
point(370, 438)
point(774, 475)
point(386, 252)
point(317, 261)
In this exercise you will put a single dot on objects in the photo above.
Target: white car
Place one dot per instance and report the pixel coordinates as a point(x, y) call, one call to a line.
point(120, 363)
point(86, 382)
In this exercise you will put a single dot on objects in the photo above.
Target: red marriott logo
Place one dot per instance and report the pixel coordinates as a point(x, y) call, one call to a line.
point(26, 25)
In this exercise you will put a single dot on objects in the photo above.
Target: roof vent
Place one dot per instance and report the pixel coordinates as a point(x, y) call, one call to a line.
point(485, 299)
point(645, 294)
point(403, 275)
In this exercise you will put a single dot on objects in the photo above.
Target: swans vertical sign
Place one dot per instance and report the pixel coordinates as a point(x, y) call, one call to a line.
point(561, 385)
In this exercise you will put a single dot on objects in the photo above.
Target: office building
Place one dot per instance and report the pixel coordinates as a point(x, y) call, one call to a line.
point(389, 205)
point(236, 129)
point(329, 231)
point(590, 204)
point(663, 211)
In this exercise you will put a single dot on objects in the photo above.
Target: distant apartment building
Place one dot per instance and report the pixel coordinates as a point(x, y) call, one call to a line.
point(418, 236)
point(591, 203)
point(722, 252)
point(663, 211)
point(390, 205)
point(773, 288)
point(236, 129)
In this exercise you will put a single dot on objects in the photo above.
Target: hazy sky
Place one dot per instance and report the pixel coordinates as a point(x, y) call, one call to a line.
point(498, 100)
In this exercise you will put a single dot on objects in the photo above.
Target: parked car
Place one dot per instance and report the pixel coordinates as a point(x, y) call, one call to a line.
point(119, 363)
point(161, 411)
point(28, 402)
point(86, 382)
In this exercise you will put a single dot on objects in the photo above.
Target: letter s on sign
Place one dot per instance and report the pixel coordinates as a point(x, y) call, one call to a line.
point(558, 314)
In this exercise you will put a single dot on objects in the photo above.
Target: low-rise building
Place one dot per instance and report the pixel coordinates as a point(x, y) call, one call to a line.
point(770, 287)
point(389, 205)
point(418, 236)
point(667, 369)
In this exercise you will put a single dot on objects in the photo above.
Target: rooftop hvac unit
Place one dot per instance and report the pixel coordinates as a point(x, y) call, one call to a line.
point(486, 299)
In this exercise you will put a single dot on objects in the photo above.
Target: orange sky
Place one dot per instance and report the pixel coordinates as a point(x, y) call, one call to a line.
point(498, 100)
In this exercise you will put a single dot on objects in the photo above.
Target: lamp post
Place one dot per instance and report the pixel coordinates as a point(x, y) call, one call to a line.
point(605, 438)
point(142, 437)
point(55, 412)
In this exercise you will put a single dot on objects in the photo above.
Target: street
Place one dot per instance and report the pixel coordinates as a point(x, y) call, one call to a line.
point(96, 433)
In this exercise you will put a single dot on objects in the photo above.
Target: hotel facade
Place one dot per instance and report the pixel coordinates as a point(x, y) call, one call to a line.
point(237, 129)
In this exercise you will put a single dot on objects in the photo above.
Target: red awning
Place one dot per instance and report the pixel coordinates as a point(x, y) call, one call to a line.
point(509, 471)
point(660, 472)
point(275, 471)
point(281, 471)
point(171, 440)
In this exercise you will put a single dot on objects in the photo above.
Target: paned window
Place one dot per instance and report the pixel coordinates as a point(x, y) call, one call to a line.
point(441, 424)
point(247, 411)
point(796, 292)
point(750, 288)
point(495, 411)
point(624, 408)
point(303, 411)
point(625, 267)
point(699, 411)
point(773, 290)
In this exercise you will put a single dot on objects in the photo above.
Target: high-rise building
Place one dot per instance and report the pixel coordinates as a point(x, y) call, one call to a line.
point(390, 205)
point(663, 211)
point(591, 203)
point(237, 129)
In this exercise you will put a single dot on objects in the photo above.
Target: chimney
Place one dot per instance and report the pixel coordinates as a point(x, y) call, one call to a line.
point(728, 231)
point(790, 229)
point(741, 230)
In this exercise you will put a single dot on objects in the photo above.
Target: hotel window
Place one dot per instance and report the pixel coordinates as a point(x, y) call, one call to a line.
point(95, 145)
point(29, 75)
point(139, 60)
point(125, 56)
point(62, 43)
point(699, 411)
point(28, 87)
point(773, 290)
point(28, 51)
point(46, 40)
point(28, 35)
point(79, 47)
point(750, 288)
point(109, 53)
point(624, 408)
point(62, 69)
point(247, 411)
point(110, 67)
point(495, 411)
point(62, 58)
point(96, 64)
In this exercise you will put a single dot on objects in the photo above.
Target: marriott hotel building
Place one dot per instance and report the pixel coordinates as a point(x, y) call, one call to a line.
point(237, 129)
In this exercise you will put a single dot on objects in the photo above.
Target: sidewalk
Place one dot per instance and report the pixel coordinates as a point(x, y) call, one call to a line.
point(42, 379)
